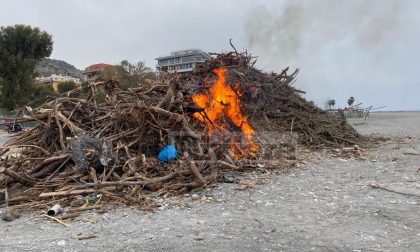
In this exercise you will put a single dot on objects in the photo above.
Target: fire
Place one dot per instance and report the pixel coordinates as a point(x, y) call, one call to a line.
point(221, 103)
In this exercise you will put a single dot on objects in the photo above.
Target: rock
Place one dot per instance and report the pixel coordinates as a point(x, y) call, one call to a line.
point(260, 165)
point(198, 238)
point(195, 196)
point(367, 237)
point(228, 178)
point(270, 231)
point(11, 214)
point(106, 217)
point(61, 243)
point(78, 201)
point(268, 203)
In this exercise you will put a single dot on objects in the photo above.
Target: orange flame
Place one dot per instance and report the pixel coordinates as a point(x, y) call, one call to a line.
point(221, 102)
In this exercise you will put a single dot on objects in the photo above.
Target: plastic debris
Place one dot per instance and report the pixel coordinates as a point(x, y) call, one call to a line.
point(92, 198)
point(167, 154)
point(55, 210)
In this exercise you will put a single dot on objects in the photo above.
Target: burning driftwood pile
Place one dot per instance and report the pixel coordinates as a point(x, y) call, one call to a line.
point(272, 104)
point(212, 118)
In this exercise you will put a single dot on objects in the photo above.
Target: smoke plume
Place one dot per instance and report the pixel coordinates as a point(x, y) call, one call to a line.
point(365, 49)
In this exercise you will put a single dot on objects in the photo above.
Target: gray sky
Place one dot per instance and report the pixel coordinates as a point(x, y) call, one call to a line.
point(366, 49)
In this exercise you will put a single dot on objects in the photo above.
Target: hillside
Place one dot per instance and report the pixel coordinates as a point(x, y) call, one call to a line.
point(51, 66)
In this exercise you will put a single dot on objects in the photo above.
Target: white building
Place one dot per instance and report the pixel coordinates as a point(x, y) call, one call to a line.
point(55, 79)
point(182, 61)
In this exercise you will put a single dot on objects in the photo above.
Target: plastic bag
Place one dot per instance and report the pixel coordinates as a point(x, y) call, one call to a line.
point(167, 154)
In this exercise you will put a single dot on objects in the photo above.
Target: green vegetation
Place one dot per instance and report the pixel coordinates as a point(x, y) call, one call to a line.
point(21, 48)
point(331, 103)
point(66, 86)
point(39, 94)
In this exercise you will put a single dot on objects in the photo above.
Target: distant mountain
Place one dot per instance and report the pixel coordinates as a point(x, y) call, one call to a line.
point(51, 66)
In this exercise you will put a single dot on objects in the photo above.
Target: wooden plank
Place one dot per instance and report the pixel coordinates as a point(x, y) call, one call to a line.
point(73, 192)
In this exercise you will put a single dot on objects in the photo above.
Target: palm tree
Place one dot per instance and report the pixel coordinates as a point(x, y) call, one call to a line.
point(331, 103)
point(350, 101)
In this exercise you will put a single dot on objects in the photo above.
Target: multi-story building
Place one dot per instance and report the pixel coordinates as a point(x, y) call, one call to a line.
point(55, 79)
point(182, 61)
